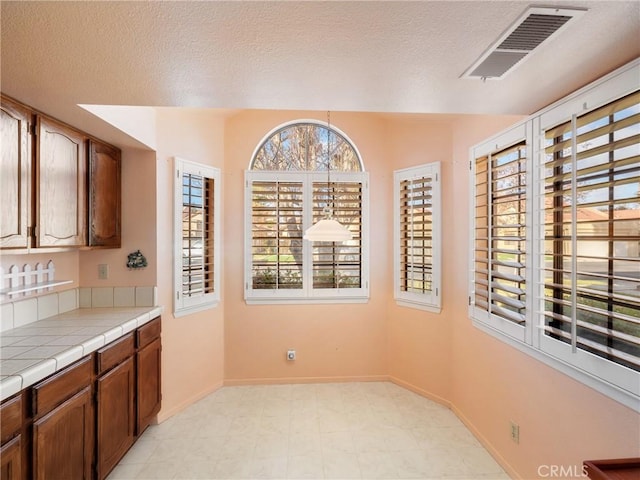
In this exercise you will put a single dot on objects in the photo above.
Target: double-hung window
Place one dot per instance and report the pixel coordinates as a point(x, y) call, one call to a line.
point(556, 220)
point(196, 237)
point(417, 250)
point(297, 171)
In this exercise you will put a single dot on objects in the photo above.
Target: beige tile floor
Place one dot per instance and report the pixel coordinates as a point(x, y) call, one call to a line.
point(313, 431)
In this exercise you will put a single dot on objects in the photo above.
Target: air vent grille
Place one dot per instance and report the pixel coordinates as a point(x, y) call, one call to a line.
point(497, 64)
point(531, 29)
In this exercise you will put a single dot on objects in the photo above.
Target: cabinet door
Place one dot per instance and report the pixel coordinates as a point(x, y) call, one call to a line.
point(149, 388)
point(11, 460)
point(63, 440)
point(104, 195)
point(61, 171)
point(15, 174)
point(116, 415)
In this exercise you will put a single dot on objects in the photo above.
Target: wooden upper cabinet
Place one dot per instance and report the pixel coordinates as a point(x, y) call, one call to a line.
point(104, 195)
point(61, 185)
point(15, 174)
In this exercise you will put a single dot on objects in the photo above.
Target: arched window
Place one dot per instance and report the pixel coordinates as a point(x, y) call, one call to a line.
point(296, 171)
point(304, 146)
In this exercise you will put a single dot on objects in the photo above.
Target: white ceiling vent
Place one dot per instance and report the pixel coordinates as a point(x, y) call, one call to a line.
point(532, 28)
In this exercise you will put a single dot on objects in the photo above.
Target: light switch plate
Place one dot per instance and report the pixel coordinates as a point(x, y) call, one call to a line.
point(103, 271)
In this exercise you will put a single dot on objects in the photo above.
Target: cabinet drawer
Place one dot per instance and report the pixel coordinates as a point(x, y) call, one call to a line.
point(149, 332)
point(54, 390)
point(114, 353)
point(11, 417)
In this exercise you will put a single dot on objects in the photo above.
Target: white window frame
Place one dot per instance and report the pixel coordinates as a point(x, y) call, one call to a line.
point(186, 305)
point(613, 380)
point(307, 294)
point(517, 134)
point(428, 301)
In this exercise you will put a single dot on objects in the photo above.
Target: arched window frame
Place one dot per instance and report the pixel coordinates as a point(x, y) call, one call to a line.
point(294, 123)
point(311, 189)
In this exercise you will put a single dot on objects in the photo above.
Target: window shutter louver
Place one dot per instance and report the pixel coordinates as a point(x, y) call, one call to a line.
point(416, 235)
point(197, 235)
point(592, 232)
point(276, 233)
point(500, 233)
point(338, 264)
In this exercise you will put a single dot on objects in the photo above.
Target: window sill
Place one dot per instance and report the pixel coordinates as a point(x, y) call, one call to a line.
point(183, 312)
point(418, 306)
point(624, 397)
point(305, 301)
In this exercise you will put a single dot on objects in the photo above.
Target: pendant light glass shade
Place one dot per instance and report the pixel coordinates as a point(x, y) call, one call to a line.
point(328, 229)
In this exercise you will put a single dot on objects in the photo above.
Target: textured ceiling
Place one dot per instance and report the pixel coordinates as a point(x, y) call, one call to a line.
point(403, 57)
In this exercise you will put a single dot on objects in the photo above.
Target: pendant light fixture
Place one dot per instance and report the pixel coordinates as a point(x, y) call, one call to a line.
point(328, 229)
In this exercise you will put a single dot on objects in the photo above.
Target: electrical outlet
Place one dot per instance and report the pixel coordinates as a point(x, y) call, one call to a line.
point(103, 271)
point(291, 355)
point(515, 432)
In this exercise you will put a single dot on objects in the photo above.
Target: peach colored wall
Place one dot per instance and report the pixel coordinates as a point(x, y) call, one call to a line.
point(332, 341)
point(138, 227)
point(419, 341)
point(562, 421)
point(192, 345)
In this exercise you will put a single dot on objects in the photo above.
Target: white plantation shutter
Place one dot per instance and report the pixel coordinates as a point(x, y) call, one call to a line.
point(276, 233)
point(592, 232)
point(280, 265)
point(196, 237)
point(338, 264)
point(555, 259)
point(500, 242)
point(417, 236)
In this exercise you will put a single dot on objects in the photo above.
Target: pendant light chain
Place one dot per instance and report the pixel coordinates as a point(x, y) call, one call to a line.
point(328, 229)
point(330, 198)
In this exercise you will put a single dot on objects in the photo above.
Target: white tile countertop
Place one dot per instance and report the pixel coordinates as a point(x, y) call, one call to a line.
point(34, 351)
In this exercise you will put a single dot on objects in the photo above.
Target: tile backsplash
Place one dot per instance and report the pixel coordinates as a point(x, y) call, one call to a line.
point(23, 312)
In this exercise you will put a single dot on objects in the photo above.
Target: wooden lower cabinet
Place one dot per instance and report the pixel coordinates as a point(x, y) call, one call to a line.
point(78, 423)
point(116, 415)
point(11, 424)
point(63, 440)
point(11, 460)
point(149, 390)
